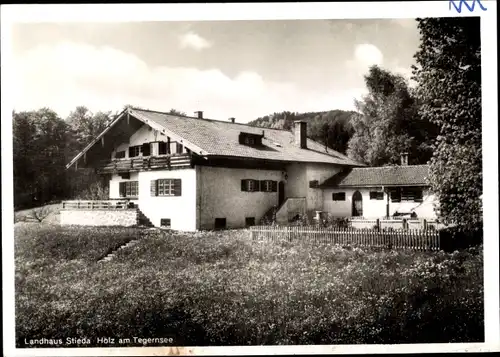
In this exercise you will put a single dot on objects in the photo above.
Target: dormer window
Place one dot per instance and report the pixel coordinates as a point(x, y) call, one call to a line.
point(250, 139)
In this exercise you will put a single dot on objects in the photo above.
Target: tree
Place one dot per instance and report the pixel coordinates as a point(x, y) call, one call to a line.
point(176, 112)
point(387, 123)
point(85, 125)
point(39, 142)
point(448, 74)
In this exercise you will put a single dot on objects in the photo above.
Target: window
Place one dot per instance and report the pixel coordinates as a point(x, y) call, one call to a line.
point(146, 149)
point(412, 194)
point(249, 140)
point(313, 184)
point(165, 222)
point(268, 186)
point(249, 185)
point(249, 221)
point(338, 196)
point(376, 195)
point(178, 148)
point(129, 189)
point(407, 194)
point(166, 187)
point(220, 223)
point(134, 151)
point(120, 154)
point(163, 148)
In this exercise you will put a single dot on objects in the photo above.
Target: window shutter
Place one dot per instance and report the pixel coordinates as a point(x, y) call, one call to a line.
point(244, 185)
point(122, 189)
point(262, 185)
point(396, 195)
point(177, 187)
point(154, 187)
point(274, 186)
point(419, 195)
point(146, 149)
point(257, 187)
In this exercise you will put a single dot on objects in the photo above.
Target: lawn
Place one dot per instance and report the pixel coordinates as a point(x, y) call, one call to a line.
point(223, 289)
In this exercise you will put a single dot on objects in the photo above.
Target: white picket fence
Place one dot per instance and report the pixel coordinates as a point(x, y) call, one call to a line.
point(396, 239)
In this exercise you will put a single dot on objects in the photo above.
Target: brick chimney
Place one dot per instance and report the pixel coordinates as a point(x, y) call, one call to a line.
point(232, 120)
point(300, 133)
point(199, 113)
point(404, 159)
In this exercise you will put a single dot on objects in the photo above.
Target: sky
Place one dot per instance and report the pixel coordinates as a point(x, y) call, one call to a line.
point(241, 69)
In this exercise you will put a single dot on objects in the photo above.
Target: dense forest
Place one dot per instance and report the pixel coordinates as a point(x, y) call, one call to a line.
point(332, 128)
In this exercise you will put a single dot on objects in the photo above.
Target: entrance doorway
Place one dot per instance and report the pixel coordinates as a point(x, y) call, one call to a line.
point(357, 204)
point(281, 193)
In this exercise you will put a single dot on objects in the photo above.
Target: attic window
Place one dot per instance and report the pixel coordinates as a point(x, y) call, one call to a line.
point(250, 139)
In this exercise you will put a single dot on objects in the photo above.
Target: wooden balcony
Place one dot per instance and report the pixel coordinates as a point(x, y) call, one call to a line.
point(169, 162)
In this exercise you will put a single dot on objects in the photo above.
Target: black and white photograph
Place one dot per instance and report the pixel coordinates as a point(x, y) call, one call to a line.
point(179, 184)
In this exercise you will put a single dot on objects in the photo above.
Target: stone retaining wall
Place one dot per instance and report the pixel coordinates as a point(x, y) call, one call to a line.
point(122, 217)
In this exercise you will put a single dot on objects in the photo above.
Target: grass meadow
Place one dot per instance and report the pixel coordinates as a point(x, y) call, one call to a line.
point(220, 288)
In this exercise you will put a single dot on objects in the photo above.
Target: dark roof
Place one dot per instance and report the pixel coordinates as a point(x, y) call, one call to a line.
point(411, 175)
point(220, 138)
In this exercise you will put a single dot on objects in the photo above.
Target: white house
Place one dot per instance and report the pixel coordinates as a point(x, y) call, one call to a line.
point(191, 173)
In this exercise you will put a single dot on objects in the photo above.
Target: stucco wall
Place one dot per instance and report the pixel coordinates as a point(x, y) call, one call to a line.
point(181, 210)
point(125, 217)
point(296, 183)
point(319, 172)
point(220, 195)
point(300, 174)
point(292, 207)
point(114, 184)
point(377, 208)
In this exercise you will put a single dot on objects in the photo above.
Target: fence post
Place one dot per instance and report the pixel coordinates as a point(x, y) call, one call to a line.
point(425, 224)
point(378, 224)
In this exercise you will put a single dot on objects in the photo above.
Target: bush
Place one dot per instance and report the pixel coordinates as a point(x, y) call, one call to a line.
point(453, 238)
point(97, 190)
point(220, 288)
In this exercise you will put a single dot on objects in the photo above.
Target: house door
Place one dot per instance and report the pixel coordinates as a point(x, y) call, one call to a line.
point(281, 193)
point(357, 204)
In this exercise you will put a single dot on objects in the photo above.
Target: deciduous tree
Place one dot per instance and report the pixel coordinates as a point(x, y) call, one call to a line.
point(387, 123)
point(448, 74)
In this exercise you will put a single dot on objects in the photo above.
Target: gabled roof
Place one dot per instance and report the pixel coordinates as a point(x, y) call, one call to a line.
point(410, 175)
point(220, 138)
point(207, 137)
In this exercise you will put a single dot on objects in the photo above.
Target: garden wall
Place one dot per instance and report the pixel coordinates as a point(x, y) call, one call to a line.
point(96, 217)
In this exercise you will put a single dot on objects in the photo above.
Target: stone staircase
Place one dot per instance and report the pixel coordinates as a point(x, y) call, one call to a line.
point(112, 254)
point(143, 220)
point(270, 216)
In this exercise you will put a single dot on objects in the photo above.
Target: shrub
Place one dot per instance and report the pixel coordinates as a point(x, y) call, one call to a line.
point(40, 213)
point(97, 190)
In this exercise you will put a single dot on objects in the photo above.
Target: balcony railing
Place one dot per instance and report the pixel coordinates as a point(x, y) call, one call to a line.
point(170, 162)
point(98, 205)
